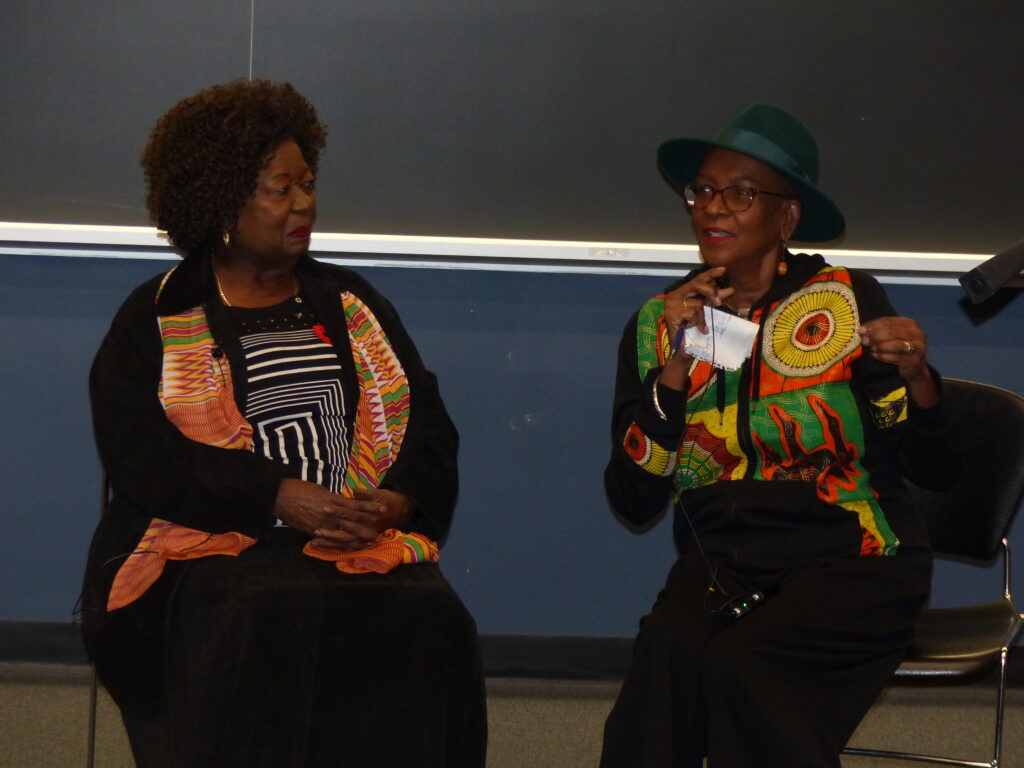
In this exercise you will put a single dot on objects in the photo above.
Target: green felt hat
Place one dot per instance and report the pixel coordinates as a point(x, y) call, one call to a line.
point(776, 138)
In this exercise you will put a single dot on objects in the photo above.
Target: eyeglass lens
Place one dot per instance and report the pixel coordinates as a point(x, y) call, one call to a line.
point(736, 198)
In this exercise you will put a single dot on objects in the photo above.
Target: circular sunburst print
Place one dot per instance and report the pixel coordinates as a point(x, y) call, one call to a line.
point(812, 330)
point(637, 445)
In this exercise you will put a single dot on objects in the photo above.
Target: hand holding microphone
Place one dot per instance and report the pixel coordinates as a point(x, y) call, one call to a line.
point(684, 308)
point(685, 305)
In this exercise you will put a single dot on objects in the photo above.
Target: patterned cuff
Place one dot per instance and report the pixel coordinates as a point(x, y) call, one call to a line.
point(889, 410)
point(647, 454)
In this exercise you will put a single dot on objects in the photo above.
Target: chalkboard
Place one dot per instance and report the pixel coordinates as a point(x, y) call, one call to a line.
point(535, 118)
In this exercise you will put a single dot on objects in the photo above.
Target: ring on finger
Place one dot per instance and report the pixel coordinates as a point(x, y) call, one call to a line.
point(908, 347)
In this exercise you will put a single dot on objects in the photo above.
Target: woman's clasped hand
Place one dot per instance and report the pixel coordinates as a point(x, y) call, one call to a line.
point(332, 520)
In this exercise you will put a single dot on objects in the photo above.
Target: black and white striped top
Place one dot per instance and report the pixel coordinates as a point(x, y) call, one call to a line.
point(295, 400)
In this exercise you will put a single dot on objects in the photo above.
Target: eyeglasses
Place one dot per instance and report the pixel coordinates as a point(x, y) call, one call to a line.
point(736, 198)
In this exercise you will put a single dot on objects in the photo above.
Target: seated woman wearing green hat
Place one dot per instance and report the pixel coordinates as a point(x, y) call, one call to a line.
point(802, 564)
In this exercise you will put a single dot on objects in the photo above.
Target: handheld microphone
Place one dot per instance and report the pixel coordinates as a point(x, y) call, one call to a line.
point(678, 340)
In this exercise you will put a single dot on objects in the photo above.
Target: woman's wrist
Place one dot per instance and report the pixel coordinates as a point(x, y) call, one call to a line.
point(922, 388)
point(676, 372)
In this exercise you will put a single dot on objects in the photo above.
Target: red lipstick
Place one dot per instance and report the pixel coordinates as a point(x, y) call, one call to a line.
point(717, 235)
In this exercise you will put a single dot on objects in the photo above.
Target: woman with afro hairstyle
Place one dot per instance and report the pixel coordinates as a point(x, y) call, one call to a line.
point(263, 590)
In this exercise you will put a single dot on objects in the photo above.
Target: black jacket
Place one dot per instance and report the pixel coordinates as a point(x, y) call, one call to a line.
point(770, 526)
point(155, 471)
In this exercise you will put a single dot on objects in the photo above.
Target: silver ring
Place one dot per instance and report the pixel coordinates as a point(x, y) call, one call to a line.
point(909, 348)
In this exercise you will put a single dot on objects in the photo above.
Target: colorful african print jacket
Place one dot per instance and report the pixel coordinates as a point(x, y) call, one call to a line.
point(155, 471)
point(795, 456)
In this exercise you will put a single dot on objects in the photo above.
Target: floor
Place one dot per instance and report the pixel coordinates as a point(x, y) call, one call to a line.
point(44, 722)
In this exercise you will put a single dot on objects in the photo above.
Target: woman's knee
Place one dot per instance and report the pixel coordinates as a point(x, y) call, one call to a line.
point(732, 660)
point(441, 606)
point(672, 636)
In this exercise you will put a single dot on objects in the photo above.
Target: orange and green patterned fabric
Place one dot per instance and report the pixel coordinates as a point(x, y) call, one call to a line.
point(198, 398)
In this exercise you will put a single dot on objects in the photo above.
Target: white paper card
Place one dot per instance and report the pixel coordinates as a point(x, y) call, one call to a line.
point(727, 345)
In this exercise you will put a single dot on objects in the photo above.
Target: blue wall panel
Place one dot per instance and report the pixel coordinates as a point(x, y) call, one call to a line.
point(526, 365)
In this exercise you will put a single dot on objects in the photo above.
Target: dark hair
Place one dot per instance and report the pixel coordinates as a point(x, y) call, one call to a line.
point(205, 154)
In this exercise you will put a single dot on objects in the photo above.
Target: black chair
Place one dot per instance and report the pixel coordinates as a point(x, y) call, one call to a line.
point(969, 522)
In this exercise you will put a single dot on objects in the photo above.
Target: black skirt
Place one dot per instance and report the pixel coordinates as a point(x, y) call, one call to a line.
point(278, 659)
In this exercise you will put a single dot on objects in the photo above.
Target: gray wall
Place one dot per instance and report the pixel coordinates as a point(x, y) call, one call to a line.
point(535, 118)
point(526, 365)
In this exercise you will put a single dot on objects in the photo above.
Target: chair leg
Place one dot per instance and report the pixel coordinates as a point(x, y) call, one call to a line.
point(935, 759)
point(90, 753)
point(999, 707)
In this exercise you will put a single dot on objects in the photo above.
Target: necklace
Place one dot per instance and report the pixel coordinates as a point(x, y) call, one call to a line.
point(295, 290)
point(743, 312)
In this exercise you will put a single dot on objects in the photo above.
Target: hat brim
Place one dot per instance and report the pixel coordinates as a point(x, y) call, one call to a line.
point(820, 218)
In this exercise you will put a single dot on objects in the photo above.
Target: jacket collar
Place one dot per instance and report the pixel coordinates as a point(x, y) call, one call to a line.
point(192, 283)
point(802, 267)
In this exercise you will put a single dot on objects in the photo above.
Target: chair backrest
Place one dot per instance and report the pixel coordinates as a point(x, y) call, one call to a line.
point(971, 518)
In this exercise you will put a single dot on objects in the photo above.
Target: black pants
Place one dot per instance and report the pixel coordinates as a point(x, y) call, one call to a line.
point(785, 685)
point(279, 660)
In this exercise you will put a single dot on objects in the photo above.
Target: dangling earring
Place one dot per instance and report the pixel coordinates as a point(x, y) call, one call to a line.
point(783, 266)
point(226, 237)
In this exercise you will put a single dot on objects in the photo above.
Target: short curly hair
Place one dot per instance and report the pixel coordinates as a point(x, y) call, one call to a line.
point(205, 155)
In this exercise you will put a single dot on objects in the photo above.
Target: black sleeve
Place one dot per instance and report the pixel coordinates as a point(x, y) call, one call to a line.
point(426, 469)
point(638, 494)
point(922, 445)
point(149, 461)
